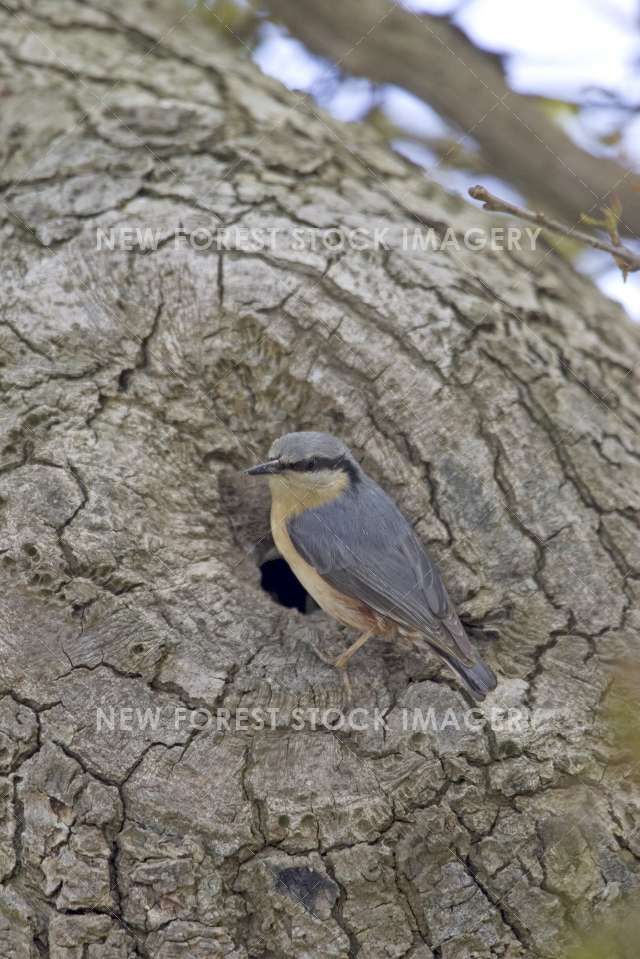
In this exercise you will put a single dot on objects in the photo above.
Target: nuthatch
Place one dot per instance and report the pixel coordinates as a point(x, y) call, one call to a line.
point(356, 554)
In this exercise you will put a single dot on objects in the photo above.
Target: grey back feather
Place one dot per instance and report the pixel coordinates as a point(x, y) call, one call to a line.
point(364, 547)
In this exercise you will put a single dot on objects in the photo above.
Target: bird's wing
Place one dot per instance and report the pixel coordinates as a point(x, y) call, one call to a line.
point(365, 548)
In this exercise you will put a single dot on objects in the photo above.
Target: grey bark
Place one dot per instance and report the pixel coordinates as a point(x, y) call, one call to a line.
point(491, 393)
point(437, 62)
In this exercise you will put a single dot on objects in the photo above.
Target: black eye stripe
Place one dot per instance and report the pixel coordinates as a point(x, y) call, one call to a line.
point(316, 463)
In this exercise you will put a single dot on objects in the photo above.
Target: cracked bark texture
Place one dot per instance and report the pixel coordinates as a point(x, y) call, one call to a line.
point(491, 393)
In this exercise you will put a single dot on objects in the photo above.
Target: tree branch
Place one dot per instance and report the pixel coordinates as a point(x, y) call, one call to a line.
point(438, 63)
point(627, 260)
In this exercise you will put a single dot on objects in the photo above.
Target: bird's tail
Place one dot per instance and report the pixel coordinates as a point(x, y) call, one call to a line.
point(478, 679)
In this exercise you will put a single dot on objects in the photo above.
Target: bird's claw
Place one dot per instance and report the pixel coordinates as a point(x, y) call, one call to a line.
point(329, 660)
point(346, 682)
point(339, 663)
point(342, 660)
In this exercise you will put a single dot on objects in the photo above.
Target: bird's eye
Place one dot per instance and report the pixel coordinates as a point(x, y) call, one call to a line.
point(305, 465)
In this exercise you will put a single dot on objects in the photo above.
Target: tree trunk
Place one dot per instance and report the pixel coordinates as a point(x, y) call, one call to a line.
point(491, 393)
point(437, 62)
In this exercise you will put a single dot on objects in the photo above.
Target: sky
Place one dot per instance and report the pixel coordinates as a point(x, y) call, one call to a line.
point(562, 49)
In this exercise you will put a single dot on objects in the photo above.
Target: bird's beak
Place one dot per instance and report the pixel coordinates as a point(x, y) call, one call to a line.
point(264, 469)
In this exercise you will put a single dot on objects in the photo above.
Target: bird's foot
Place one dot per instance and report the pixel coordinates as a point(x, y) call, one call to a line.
point(339, 663)
point(329, 660)
point(346, 683)
point(342, 660)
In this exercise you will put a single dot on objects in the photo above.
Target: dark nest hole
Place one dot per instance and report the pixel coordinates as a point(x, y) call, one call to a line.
point(247, 508)
point(278, 579)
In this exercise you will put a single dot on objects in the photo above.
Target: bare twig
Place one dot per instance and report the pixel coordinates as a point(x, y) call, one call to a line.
point(627, 260)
